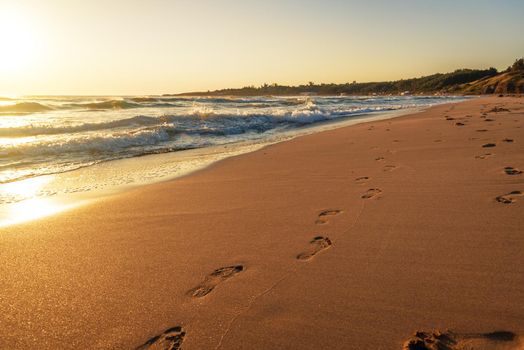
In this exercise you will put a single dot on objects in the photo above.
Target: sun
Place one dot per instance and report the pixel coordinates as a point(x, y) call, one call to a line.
point(18, 41)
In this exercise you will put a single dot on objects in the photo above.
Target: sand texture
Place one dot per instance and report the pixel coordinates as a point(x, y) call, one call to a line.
point(397, 234)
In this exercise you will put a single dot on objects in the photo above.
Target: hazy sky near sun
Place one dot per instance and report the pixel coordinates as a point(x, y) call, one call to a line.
point(160, 46)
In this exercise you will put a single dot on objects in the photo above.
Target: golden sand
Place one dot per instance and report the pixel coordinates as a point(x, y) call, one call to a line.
point(354, 238)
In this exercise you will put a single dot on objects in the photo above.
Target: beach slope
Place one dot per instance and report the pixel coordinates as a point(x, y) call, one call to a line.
point(354, 238)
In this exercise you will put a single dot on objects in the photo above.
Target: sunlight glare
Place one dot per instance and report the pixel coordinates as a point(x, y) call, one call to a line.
point(31, 206)
point(26, 188)
point(30, 209)
point(18, 43)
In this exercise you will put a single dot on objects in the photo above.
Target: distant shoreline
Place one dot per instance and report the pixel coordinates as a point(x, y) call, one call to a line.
point(216, 94)
point(458, 82)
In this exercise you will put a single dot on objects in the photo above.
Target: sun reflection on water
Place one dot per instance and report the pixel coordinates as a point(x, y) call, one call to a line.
point(10, 141)
point(28, 188)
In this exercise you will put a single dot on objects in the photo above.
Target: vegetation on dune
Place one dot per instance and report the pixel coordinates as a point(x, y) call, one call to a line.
point(509, 81)
point(518, 66)
point(461, 81)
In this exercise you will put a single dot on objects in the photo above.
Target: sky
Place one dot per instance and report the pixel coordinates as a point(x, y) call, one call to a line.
point(131, 47)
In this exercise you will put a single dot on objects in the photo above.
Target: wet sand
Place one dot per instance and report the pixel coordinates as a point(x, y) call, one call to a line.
point(354, 238)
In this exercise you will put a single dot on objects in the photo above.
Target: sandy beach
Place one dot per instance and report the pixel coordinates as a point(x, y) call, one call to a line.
point(353, 238)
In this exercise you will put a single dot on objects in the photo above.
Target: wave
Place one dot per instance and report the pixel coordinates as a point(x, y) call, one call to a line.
point(150, 133)
point(73, 136)
point(222, 123)
point(90, 145)
point(30, 130)
point(144, 102)
point(111, 104)
point(139, 102)
point(143, 99)
point(24, 107)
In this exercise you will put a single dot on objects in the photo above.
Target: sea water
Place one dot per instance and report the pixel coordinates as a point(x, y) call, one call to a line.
point(46, 138)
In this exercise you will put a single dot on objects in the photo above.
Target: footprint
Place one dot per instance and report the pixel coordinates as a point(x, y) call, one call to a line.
point(379, 159)
point(507, 140)
point(317, 245)
point(484, 156)
point(489, 120)
point(449, 340)
point(449, 118)
point(481, 130)
point(362, 179)
point(512, 171)
point(372, 192)
point(389, 167)
point(459, 124)
point(323, 216)
point(499, 109)
point(214, 279)
point(509, 197)
point(487, 145)
point(171, 339)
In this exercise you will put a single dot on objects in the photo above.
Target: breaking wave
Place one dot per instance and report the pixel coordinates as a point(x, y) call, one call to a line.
point(80, 131)
point(224, 123)
point(24, 107)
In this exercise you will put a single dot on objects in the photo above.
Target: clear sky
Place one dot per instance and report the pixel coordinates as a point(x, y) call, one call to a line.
point(162, 46)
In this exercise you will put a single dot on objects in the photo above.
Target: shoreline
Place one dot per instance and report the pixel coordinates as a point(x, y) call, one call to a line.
point(352, 238)
point(72, 189)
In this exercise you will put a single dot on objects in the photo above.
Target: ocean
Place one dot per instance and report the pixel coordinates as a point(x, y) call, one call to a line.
point(42, 136)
